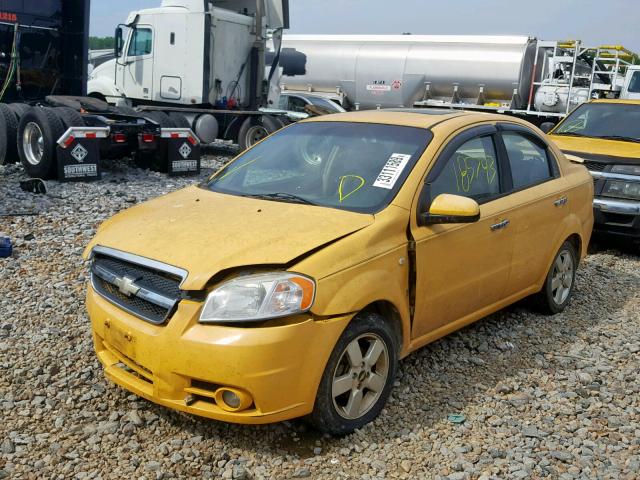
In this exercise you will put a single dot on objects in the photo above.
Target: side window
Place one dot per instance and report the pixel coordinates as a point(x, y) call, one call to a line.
point(634, 84)
point(529, 160)
point(141, 43)
point(472, 171)
point(297, 104)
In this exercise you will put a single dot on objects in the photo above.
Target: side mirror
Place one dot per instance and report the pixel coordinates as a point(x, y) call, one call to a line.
point(546, 127)
point(448, 208)
point(119, 42)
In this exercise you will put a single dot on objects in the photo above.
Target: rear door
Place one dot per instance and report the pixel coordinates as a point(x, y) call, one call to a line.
point(462, 269)
point(540, 202)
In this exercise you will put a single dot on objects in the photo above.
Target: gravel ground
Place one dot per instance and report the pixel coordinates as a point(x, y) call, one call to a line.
point(541, 397)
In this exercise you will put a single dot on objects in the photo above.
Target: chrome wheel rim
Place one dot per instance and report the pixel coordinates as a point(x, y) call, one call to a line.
point(360, 376)
point(562, 277)
point(255, 134)
point(33, 143)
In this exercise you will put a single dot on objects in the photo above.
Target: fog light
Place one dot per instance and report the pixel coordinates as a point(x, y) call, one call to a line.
point(232, 400)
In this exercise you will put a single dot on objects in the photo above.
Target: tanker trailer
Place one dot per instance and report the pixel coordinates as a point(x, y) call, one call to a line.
point(382, 71)
point(538, 80)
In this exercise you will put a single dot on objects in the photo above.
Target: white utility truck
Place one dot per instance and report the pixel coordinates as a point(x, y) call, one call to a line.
point(198, 64)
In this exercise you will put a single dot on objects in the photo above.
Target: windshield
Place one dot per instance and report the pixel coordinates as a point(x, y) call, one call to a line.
point(603, 120)
point(350, 166)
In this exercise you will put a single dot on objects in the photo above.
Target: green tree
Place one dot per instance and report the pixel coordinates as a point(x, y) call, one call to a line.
point(101, 43)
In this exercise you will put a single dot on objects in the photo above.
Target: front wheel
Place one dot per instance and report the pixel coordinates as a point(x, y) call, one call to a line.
point(254, 130)
point(558, 287)
point(358, 377)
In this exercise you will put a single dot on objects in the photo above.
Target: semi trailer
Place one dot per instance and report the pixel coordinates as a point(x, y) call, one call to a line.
point(198, 64)
point(519, 75)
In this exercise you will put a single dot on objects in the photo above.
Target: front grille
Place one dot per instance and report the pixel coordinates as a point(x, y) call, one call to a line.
point(594, 166)
point(144, 291)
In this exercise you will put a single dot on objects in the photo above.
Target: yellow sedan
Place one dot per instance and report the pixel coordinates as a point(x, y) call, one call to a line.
point(292, 282)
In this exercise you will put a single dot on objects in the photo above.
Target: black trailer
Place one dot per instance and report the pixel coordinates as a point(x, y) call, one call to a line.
point(44, 111)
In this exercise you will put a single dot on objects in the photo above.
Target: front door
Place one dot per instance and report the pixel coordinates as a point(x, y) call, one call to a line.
point(137, 72)
point(462, 269)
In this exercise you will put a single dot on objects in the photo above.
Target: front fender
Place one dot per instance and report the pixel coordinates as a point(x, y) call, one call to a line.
point(381, 279)
point(105, 87)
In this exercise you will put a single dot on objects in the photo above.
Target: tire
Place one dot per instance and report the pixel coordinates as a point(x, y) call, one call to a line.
point(41, 123)
point(19, 109)
point(180, 120)
point(11, 131)
point(332, 414)
point(559, 284)
point(69, 117)
point(160, 117)
point(252, 131)
point(124, 110)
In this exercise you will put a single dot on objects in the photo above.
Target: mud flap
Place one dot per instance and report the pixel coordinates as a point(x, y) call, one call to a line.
point(78, 153)
point(182, 149)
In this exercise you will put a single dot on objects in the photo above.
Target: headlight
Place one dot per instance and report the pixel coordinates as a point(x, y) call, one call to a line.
point(622, 189)
point(626, 169)
point(259, 297)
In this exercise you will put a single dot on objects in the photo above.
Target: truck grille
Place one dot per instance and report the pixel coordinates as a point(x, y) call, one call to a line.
point(144, 290)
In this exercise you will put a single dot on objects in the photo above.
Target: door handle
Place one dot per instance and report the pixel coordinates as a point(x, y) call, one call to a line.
point(500, 225)
point(561, 201)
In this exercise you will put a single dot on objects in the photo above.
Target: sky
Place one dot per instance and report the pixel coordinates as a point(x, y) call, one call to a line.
point(595, 22)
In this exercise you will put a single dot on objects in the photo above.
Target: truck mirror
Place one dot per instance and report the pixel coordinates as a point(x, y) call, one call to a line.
point(119, 42)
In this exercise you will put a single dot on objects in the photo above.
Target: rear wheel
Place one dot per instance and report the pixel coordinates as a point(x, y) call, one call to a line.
point(12, 132)
point(69, 117)
point(39, 130)
point(19, 109)
point(253, 130)
point(358, 377)
point(558, 286)
point(161, 118)
point(180, 120)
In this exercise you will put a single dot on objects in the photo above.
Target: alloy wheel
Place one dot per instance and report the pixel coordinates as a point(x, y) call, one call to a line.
point(360, 376)
point(562, 277)
point(33, 143)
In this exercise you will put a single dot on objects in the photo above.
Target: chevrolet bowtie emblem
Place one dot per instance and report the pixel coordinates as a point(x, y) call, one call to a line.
point(126, 286)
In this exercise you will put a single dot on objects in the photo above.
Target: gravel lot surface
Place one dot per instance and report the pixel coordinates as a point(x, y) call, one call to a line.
point(541, 397)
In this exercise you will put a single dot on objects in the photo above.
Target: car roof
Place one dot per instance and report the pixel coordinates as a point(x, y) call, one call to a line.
point(414, 117)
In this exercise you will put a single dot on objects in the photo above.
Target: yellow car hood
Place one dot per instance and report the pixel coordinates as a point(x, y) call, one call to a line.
point(205, 232)
point(594, 146)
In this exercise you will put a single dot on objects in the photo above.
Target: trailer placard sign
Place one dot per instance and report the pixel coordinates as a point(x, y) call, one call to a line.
point(183, 151)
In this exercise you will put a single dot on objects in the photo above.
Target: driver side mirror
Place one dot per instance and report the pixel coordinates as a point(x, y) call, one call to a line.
point(546, 127)
point(119, 42)
point(448, 208)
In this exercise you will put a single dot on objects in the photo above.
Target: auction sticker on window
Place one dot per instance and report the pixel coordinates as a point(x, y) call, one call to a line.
point(392, 170)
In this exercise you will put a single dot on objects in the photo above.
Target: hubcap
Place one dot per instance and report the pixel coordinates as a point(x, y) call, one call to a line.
point(562, 277)
point(255, 134)
point(360, 376)
point(33, 143)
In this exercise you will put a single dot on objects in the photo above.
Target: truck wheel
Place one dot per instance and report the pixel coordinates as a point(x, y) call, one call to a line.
point(39, 130)
point(254, 130)
point(12, 131)
point(69, 117)
point(358, 377)
point(124, 110)
point(180, 120)
point(19, 109)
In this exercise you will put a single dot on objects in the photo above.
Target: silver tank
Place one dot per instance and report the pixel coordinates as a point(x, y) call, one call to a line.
point(380, 71)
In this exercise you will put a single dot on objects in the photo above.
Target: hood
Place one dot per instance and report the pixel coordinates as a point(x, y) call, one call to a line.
point(205, 232)
point(106, 70)
point(598, 147)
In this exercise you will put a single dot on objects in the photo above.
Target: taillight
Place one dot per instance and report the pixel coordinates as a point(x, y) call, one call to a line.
point(70, 139)
point(148, 137)
point(119, 138)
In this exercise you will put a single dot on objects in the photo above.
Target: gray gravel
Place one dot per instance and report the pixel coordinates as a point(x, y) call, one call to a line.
point(553, 397)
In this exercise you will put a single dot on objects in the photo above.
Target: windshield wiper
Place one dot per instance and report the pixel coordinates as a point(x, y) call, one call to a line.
point(619, 137)
point(281, 196)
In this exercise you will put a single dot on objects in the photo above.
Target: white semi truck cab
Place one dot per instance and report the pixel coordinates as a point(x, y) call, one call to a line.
point(200, 62)
point(631, 89)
